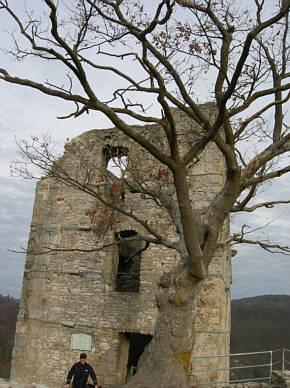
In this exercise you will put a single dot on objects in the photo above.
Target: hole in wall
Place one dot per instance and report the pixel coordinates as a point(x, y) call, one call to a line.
point(129, 265)
point(116, 159)
point(137, 343)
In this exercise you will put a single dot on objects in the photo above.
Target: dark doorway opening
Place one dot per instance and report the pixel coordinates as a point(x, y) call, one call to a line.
point(130, 255)
point(137, 343)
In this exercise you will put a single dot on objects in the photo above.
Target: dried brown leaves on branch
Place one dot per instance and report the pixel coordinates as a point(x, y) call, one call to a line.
point(243, 53)
point(161, 55)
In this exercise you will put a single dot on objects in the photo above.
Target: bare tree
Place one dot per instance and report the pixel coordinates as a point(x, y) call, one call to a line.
point(244, 55)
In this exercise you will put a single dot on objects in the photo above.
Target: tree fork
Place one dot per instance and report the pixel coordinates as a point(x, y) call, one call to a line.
point(189, 223)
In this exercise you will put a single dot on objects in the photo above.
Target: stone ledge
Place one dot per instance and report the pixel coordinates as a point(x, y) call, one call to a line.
point(280, 379)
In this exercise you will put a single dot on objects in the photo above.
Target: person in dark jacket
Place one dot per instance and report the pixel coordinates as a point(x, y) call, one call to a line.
point(80, 371)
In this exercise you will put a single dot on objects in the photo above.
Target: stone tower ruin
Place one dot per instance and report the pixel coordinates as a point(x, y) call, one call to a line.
point(79, 299)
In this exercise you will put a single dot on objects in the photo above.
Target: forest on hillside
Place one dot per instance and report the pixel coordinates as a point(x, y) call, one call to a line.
point(259, 323)
point(8, 315)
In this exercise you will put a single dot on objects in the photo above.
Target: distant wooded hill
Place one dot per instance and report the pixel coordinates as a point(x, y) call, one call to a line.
point(258, 324)
point(8, 315)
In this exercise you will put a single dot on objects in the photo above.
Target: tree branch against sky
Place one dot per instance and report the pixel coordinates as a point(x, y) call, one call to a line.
point(158, 60)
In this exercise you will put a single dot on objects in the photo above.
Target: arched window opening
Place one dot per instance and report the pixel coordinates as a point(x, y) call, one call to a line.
point(116, 159)
point(130, 255)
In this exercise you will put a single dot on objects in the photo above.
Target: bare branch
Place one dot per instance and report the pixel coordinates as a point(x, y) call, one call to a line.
point(116, 242)
point(172, 58)
point(272, 248)
point(268, 205)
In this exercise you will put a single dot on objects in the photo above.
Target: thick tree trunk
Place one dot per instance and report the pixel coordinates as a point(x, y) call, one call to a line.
point(166, 359)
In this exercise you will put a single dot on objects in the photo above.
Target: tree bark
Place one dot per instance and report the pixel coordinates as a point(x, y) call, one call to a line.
point(166, 360)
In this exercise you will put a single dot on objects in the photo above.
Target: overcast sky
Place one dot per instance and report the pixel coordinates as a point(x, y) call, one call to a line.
point(24, 112)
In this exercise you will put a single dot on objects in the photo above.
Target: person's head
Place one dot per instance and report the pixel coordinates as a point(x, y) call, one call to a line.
point(83, 358)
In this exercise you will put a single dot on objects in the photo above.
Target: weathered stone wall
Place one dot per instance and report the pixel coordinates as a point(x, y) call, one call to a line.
point(74, 291)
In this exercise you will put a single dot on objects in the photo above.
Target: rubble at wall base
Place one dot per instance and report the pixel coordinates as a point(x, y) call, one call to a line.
point(4, 383)
point(280, 379)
